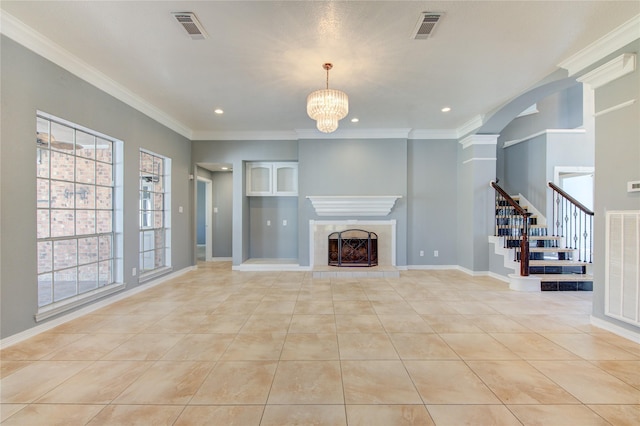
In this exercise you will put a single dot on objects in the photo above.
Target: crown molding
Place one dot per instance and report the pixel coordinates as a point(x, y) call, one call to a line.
point(616, 68)
point(433, 134)
point(354, 134)
point(21, 33)
point(616, 39)
point(471, 125)
point(479, 140)
point(248, 135)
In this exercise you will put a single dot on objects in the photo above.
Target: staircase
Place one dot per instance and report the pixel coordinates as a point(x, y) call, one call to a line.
point(558, 262)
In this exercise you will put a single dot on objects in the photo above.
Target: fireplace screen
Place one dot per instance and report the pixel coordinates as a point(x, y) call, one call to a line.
point(353, 247)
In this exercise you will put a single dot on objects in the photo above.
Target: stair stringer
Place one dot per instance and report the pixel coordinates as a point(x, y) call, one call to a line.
point(507, 253)
point(515, 280)
point(524, 203)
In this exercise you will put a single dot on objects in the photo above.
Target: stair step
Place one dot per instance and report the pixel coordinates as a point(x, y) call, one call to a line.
point(556, 263)
point(549, 250)
point(531, 225)
point(563, 277)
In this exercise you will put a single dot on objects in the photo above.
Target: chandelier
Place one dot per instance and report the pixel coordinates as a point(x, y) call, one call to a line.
point(327, 106)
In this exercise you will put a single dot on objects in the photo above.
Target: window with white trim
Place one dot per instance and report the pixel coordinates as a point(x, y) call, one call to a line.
point(76, 215)
point(155, 232)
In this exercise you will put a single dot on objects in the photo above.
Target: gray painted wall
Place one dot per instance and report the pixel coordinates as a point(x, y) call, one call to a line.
point(223, 219)
point(617, 162)
point(476, 205)
point(29, 83)
point(238, 153)
point(525, 170)
point(352, 167)
point(432, 185)
point(273, 240)
point(201, 211)
point(561, 110)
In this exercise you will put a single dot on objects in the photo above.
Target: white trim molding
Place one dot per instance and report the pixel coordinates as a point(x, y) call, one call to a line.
point(547, 132)
point(616, 39)
point(353, 205)
point(478, 140)
point(433, 134)
point(471, 125)
point(33, 40)
point(479, 159)
point(355, 134)
point(615, 108)
point(615, 68)
point(41, 328)
point(248, 135)
point(634, 336)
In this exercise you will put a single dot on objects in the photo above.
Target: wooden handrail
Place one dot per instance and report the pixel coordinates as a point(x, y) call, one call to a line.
point(573, 201)
point(509, 200)
point(524, 242)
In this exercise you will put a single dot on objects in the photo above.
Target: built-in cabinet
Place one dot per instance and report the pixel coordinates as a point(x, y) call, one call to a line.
point(268, 179)
point(272, 190)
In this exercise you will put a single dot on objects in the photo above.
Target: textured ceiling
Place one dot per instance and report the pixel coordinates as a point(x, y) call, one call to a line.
point(263, 58)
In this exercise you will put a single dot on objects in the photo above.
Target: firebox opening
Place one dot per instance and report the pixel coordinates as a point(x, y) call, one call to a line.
point(353, 247)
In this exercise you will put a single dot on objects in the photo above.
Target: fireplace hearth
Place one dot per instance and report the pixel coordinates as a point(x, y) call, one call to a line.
point(353, 247)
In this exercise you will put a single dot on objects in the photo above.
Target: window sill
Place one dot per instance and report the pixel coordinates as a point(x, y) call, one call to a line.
point(76, 301)
point(148, 276)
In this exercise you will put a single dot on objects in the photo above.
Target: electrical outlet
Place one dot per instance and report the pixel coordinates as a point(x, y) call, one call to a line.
point(421, 253)
point(215, 210)
point(435, 253)
point(268, 223)
point(134, 272)
point(284, 222)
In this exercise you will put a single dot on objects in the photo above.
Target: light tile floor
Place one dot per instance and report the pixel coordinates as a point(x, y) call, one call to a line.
point(216, 347)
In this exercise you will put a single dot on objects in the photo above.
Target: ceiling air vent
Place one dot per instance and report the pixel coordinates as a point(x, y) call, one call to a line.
point(426, 24)
point(191, 25)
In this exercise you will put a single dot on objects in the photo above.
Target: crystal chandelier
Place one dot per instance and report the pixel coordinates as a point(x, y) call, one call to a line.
point(327, 106)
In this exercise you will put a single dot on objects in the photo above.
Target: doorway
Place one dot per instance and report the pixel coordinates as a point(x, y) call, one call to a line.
point(577, 182)
point(204, 232)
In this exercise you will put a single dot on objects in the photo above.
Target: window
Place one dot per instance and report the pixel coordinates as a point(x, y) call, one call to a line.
point(155, 233)
point(76, 236)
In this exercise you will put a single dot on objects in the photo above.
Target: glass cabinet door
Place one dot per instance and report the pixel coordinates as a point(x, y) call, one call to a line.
point(285, 178)
point(272, 179)
point(259, 179)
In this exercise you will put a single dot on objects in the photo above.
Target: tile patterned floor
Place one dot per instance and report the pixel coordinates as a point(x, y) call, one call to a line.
point(215, 347)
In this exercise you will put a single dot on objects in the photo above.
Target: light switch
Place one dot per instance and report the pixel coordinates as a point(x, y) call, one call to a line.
point(215, 210)
point(284, 222)
point(268, 223)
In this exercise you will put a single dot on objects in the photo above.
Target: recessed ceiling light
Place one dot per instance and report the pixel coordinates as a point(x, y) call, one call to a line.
point(218, 111)
point(225, 168)
point(446, 109)
point(355, 120)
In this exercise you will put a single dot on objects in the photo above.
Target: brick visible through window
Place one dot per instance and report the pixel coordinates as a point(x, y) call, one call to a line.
point(154, 212)
point(75, 214)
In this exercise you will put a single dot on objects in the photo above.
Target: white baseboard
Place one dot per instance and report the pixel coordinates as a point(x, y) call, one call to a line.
point(430, 267)
point(473, 273)
point(498, 277)
point(265, 267)
point(634, 336)
point(33, 331)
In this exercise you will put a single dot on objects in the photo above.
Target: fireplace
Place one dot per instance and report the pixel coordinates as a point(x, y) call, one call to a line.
point(353, 247)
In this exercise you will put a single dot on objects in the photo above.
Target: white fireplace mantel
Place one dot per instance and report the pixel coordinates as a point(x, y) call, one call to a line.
point(353, 205)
